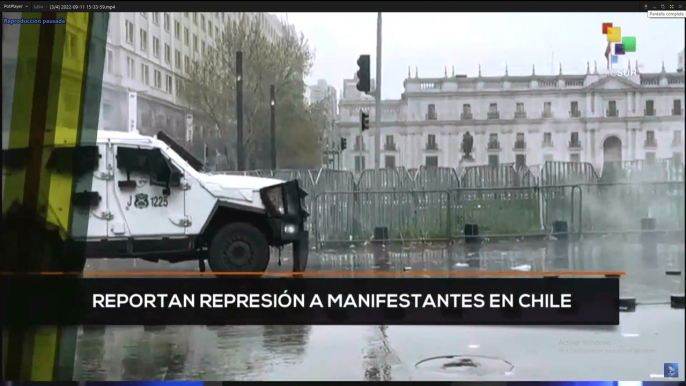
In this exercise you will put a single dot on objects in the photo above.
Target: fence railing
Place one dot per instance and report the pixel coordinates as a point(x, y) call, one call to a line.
point(437, 203)
point(443, 215)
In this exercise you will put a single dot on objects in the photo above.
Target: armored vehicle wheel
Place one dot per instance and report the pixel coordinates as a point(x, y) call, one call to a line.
point(239, 247)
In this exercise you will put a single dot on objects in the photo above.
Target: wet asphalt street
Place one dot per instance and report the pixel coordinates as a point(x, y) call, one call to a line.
point(635, 350)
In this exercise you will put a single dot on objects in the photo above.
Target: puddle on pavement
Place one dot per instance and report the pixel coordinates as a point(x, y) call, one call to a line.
point(466, 366)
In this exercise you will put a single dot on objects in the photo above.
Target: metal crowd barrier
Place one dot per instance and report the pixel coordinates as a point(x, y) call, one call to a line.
point(437, 204)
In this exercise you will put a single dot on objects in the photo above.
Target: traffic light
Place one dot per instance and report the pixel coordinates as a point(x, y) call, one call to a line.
point(364, 121)
point(344, 144)
point(364, 81)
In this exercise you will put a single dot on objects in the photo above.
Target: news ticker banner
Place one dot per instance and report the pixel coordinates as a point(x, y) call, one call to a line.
point(65, 300)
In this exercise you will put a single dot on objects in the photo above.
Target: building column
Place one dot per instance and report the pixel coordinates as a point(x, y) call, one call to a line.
point(402, 149)
point(592, 146)
point(480, 139)
point(447, 140)
point(417, 146)
point(637, 102)
point(407, 149)
point(457, 152)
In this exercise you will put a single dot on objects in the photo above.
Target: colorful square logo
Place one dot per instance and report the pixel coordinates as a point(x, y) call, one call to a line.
point(671, 370)
point(616, 43)
point(614, 35)
point(629, 43)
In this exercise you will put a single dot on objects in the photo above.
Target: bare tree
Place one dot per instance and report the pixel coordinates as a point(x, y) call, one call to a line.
point(284, 62)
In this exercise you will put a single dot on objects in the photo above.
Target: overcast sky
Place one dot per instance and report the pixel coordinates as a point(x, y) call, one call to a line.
point(431, 41)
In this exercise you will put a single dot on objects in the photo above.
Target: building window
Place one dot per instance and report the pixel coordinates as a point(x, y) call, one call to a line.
point(547, 110)
point(575, 157)
point(431, 162)
point(144, 14)
point(612, 109)
point(195, 18)
point(209, 28)
point(574, 140)
point(167, 53)
point(676, 109)
point(493, 143)
point(168, 84)
point(129, 32)
point(187, 63)
point(520, 112)
point(185, 14)
point(493, 160)
point(158, 79)
point(547, 139)
point(650, 139)
point(130, 68)
point(431, 142)
point(359, 163)
point(167, 22)
point(186, 36)
point(144, 40)
point(145, 75)
point(202, 22)
point(203, 48)
point(389, 162)
point(110, 59)
point(650, 109)
point(520, 161)
point(390, 143)
point(177, 29)
point(156, 47)
point(466, 111)
point(177, 60)
point(431, 116)
point(156, 18)
point(519, 141)
point(548, 158)
point(493, 111)
point(195, 42)
point(677, 158)
point(216, 32)
point(574, 110)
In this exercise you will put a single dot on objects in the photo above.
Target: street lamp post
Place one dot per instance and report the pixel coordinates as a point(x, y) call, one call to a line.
point(240, 157)
point(272, 93)
point(377, 95)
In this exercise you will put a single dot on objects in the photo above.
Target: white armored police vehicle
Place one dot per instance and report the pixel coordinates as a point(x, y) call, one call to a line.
point(142, 197)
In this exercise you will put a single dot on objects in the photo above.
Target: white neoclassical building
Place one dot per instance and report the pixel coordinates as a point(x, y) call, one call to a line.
point(527, 120)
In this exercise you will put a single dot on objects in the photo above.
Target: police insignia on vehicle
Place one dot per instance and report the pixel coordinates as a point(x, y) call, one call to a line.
point(141, 201)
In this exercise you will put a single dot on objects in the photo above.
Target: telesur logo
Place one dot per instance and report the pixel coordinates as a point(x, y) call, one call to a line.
point(618, 45)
